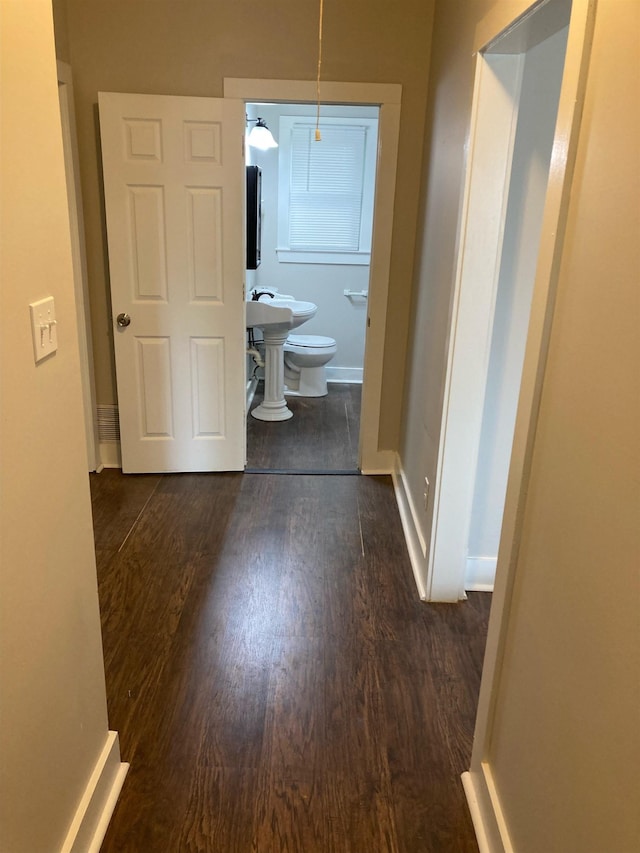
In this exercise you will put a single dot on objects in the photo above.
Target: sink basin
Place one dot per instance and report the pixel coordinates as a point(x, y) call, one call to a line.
point(279, 314)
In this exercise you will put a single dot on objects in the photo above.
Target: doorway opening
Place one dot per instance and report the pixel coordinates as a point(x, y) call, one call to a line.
point(501, 287)
point(315, 212)
point(386, 97)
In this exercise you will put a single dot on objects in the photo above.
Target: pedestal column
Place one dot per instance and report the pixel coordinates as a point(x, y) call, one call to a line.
point(274, 406)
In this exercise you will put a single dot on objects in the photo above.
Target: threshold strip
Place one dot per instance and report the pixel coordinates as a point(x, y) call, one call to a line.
point(316, 472)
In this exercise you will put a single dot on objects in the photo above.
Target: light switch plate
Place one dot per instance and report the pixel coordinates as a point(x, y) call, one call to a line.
point(43, 328)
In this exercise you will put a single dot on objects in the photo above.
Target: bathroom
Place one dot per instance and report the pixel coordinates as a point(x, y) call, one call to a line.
point(335, 281)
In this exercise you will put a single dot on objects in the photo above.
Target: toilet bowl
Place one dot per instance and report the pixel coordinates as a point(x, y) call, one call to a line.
point(305, 357)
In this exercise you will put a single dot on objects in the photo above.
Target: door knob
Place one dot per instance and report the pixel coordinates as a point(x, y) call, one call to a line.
point(123, 320)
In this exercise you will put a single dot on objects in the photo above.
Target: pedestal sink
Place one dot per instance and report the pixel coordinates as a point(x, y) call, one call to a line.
point(276, 318)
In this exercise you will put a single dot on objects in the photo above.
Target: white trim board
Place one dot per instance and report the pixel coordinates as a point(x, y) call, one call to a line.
point(489, 824)
point(416, 545)
point(96, 806)
point(79, 259)
point(476, 813)
point(491, 146)
point(344, 375)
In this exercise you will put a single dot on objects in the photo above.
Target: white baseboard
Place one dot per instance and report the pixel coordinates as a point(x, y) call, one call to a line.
point(476, 813)
point(486, 812)
point(110, 454)
point(416, 544)
point(347, 375)
point(480, 574)
point(94, 811)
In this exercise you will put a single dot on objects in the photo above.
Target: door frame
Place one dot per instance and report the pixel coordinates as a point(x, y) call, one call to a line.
point(79, 258)
point(500, 52)
point(493, 125)
point(386, 96)
point(516, 36)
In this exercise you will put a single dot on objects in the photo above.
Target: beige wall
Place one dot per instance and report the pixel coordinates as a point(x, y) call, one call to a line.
point(177, 48)
point(53, 706)
point(61, 30)
point(449, 105)
point(564, 747)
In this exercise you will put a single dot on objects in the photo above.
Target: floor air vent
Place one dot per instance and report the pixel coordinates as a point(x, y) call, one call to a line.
point(108, 424)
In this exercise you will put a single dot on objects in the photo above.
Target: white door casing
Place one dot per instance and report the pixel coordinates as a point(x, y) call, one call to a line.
point(78, 253)
point(496, 103)
point(174, 182)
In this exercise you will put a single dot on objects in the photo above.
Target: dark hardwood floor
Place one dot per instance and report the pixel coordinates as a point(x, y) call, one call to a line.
point(322, 435)
point(276, 683)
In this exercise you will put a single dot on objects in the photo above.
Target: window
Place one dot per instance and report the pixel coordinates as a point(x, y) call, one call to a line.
point(325, 191)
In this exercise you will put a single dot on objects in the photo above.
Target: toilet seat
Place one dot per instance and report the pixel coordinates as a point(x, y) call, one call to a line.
point(308, 343)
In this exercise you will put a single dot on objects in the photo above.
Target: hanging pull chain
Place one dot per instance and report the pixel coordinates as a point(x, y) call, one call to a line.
point(318, 137)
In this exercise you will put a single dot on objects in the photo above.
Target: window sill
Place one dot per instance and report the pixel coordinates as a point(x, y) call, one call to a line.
point(287, 256)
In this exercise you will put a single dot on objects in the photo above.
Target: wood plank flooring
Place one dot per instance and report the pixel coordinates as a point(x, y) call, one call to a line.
point(276, 683)
point(322, 434)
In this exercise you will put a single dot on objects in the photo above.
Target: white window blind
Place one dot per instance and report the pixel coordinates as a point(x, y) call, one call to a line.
point(326, 190)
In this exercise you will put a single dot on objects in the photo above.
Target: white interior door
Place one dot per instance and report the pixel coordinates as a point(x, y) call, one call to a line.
point(174, 181)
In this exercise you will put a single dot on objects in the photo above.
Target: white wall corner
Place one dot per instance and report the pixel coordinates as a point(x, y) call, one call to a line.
point(380, 462)
point(96, 806)
point(486, 812)
point(480, 574)
point(416, 544)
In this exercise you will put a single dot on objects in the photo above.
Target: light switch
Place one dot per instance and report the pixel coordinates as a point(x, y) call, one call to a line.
point(43, 328)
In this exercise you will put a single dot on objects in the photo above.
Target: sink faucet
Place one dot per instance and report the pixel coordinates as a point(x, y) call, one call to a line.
point(258, 293)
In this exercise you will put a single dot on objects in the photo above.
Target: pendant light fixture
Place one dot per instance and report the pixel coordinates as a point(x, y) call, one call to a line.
point(260, 135)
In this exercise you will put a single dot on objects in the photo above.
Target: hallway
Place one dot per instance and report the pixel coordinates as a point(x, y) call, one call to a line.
point(276, 683)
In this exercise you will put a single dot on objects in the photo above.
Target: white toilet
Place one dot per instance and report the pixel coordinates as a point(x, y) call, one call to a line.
point(305, 357)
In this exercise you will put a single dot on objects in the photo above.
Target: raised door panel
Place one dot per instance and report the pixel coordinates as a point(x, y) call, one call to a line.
point(207, 377)
point(204, 223)
point(148, 252)
point(155, 393)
